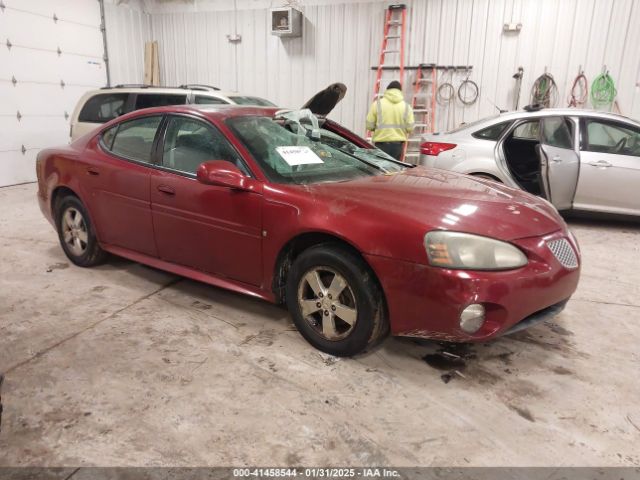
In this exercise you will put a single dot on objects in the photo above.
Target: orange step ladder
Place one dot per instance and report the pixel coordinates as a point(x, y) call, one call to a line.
point(395, 30)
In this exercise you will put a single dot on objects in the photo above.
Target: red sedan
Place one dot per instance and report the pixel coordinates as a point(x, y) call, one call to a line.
point(289, 207)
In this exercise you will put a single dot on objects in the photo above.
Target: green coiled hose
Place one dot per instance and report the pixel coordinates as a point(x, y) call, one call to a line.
point(603, 91)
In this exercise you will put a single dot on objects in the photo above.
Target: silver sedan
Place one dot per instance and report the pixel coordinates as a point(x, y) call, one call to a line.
point(577, 159)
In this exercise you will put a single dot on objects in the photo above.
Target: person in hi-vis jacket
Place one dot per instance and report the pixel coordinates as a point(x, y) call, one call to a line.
point(390, 119)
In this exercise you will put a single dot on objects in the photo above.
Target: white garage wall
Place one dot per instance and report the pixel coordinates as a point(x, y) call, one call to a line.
point(128, 28)
point(38, 68)
point(341, 41)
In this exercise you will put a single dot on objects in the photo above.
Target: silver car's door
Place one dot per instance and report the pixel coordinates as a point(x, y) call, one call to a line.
point(559, 161)
point(609, 167)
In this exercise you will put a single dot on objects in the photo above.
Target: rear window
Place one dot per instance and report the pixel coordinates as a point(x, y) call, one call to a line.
point(204, 100)
point(148, 100)
point(133, 139)
point(491, 133)
point(103, 108)
point(465, 126)
point(257, 101)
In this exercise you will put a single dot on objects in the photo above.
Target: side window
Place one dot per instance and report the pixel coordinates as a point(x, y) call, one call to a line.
point(493, 132)
point(605, 137)
point(134, 139)
point(148, 100)
point(527, 130)
point(189, 142)
point(108, 136)
point(204, 100)
point(104, 107)
point(557, 132)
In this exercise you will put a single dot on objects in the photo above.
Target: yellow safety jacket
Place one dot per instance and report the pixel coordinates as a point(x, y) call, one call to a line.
point(390, 118)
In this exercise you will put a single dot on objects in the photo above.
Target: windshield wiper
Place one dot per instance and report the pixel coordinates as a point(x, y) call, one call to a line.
point(352, 151)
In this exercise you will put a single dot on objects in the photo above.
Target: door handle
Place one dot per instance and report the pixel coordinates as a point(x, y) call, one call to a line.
point(556, 159)
point(93, 171)
point(166, 190)
point(601, 164)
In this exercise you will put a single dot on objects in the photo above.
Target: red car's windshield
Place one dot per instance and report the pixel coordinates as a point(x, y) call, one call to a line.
point(288, 157)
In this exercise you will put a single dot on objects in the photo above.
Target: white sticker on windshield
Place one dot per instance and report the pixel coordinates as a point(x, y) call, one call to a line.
point(298, 155)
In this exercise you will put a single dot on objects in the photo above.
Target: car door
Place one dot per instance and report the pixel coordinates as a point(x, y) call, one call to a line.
point(211, 228)
point(609, 167)
point(118, 178)
point(559, 161)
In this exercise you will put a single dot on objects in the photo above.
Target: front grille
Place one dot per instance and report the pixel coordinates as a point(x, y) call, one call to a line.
point(564, 252)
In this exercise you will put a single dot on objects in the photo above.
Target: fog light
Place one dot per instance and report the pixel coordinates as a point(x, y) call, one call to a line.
point(472, 318)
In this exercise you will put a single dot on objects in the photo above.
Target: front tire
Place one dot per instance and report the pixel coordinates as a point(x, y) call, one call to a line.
point(76, 233)
point(335, 301)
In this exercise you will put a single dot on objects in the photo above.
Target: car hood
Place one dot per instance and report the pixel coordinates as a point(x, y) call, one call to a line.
point(439, 199)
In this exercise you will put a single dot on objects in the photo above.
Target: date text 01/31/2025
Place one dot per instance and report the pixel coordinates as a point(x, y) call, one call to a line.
point(337, 473)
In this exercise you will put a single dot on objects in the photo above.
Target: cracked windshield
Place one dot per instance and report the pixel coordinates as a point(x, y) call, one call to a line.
point(292, 150)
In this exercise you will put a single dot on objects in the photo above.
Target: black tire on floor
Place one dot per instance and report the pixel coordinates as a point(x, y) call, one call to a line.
point(91, 254)
point(371, 325)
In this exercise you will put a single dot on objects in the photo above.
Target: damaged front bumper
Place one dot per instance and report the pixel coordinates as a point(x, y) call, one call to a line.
point(428, 302)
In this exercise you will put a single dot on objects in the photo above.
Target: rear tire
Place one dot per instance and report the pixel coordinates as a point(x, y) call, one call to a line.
point(335, 301)
point(76, 233)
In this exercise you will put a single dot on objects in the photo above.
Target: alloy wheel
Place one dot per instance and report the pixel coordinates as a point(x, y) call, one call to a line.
point(74, 231)
point(327, 303)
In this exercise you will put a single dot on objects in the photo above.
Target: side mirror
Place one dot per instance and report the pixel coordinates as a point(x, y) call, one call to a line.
point(221, 173)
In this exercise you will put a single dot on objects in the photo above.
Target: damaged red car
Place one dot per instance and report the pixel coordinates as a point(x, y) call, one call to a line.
point(293, 208)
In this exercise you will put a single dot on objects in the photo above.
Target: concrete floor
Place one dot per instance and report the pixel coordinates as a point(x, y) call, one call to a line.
point(126, 365)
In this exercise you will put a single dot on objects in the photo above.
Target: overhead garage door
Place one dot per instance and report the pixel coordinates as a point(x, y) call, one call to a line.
point(44, 69)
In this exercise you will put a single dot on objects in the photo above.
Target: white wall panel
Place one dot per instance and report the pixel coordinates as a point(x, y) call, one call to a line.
point(128, 29)
point(34, 62)
point(341, 41)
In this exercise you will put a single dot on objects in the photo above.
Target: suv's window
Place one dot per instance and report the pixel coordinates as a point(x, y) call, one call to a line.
point(491, 133)
point(556, 132)
point(257, 101)
point(189, 142)
point(134, 139)
point(148, 100)
point(527, 130)
point(204, 100)
point(104, 107)
point(606, 137)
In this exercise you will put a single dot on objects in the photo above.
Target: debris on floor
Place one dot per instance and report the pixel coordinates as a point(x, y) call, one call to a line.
point(451, 357)
point(328, 359)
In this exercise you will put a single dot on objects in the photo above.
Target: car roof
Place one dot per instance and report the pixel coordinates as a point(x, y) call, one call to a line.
point(569, 112)
point(167, 90)
point(543, 112)
point(573, 112)
point(218, 112)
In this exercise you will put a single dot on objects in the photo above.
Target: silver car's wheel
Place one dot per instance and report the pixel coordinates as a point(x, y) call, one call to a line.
point(74, 231)
point(327, 303)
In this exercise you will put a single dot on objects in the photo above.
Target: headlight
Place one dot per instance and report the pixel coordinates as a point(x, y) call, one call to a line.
point(471, 252)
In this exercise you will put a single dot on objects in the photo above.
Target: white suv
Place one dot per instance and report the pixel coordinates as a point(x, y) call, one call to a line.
point(99, 106)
